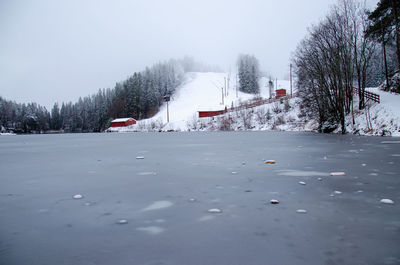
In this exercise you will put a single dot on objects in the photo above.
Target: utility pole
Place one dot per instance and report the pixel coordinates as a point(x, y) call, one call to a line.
point(291, 80)
point(225, 85)
point(222, 91)
point(236, 86)
point(229, 78)
point(167, 112)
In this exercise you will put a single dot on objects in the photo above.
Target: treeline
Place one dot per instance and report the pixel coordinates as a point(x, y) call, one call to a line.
point(23, 117)
point(139, 96)
point(338, 56)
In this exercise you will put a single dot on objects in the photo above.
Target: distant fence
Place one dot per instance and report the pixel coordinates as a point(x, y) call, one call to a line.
point(369, 95)
point(246, 105)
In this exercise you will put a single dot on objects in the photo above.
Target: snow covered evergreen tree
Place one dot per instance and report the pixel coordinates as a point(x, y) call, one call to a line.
point(248, 73)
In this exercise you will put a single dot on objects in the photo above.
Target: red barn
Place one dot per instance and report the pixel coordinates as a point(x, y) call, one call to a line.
point(280, 93)
point(122, 122)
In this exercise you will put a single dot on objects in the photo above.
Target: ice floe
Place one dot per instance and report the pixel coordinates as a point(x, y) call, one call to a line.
point(301, 211)
point(77, 196)
point(302, 183)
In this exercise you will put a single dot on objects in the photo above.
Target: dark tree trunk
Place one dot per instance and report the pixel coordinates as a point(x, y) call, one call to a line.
point(396, 21)
point(385, 59)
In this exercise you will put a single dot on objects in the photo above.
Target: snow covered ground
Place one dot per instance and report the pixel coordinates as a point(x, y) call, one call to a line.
point(203, 91)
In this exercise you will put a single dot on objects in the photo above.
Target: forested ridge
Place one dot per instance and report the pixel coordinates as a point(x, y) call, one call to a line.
point(139, 96)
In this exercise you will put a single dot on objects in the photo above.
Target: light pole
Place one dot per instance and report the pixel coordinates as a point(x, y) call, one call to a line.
point(167, 99)
point(290, 80)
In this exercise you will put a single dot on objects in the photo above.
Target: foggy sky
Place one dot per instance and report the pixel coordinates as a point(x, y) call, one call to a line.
point(54, 51)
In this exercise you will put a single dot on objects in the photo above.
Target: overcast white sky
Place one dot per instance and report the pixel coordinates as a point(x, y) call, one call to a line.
point(54, 51)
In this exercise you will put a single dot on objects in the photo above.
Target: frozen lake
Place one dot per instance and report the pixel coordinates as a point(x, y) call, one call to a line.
point(147, 196)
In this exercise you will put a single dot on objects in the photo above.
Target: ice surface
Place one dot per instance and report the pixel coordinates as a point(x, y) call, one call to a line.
point(158, 205)
point(239, 235)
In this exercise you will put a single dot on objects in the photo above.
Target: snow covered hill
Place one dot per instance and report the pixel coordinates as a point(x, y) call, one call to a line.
point(203, 91)
point(200, 92)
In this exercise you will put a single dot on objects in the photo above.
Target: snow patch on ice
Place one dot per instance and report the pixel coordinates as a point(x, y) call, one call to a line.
point(387, 201)
point(337, 174)
point(151, 230)
point(149, 173)
point(206, 218)
point(215, 210)
point(158, 205)
point(301, 173)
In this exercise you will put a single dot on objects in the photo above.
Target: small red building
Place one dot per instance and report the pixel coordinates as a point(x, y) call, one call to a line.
point(211, 113)
point(204, 114)
point(280, 93)
point(123, 122)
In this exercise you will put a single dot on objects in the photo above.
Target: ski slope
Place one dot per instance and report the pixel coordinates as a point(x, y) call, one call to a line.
point(203, 91)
